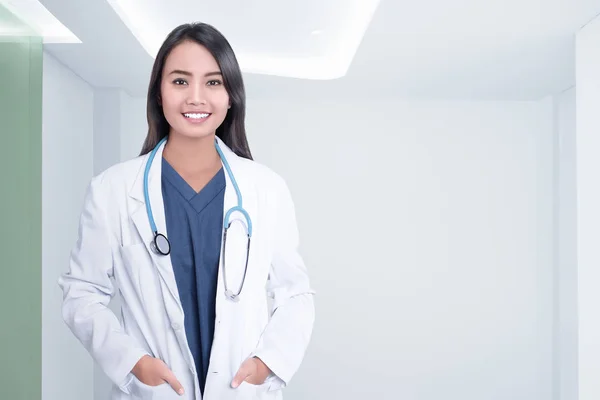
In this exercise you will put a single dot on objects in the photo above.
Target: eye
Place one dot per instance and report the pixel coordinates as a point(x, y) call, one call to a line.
point(214, 82)
point(180, 81)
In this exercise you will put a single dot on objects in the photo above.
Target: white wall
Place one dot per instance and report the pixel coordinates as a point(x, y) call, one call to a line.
point(134, 126)
point(566, 236)
point(107, 127)
point(588, 211)
point(67, 150)
point(428, 229)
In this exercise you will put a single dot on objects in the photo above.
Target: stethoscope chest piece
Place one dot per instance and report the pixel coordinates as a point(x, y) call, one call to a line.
point(161, 244)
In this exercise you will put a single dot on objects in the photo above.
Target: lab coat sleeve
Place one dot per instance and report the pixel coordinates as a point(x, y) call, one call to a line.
point(87, 290)
point(285, 339)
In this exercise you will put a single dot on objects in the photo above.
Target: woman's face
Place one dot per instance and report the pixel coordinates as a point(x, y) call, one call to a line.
point(193, 97)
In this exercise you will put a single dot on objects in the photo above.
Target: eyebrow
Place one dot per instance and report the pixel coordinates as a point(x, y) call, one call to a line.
point(187, 73)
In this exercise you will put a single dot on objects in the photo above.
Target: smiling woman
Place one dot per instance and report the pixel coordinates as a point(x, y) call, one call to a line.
point(197, 236)
point(196, 72)
point(192, 88)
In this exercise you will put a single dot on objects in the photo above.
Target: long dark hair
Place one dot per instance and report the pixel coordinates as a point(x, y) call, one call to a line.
point(232, 131)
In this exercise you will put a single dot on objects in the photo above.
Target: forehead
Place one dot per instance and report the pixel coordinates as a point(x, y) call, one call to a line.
point(192, 57)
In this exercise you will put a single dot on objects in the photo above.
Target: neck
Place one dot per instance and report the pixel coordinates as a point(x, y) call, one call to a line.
point(192, 156)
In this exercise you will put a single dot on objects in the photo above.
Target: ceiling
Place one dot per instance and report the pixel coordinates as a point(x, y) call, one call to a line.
point(30, 18)
point(312, 39)
point(460, 49)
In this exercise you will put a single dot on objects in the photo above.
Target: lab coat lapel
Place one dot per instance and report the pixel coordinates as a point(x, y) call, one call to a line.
point(142, 222)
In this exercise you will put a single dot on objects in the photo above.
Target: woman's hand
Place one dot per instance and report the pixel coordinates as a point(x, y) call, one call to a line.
point(253, 371)
point(153, 372)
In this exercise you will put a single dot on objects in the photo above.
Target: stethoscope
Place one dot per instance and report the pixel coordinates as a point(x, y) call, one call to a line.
point(161, 245)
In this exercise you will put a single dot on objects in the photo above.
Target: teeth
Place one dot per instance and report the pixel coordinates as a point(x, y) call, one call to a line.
point(194, 115)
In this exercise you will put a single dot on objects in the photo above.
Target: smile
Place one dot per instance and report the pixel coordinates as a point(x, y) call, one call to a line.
point(196, 116)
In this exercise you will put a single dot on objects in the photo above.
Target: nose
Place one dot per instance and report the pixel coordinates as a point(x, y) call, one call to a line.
point(196, 95)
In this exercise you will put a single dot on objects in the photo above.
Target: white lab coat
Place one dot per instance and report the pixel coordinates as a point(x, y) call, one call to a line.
point(114, 242)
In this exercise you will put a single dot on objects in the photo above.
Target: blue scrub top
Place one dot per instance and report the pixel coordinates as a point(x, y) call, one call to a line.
point(195, 222)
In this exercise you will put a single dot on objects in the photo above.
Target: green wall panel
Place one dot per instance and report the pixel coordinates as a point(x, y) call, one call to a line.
point(20, 204)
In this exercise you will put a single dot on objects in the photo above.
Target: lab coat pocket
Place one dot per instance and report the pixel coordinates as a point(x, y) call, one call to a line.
point(259, 392)
point(248, 391)
point(218, 387)
point(140, 390)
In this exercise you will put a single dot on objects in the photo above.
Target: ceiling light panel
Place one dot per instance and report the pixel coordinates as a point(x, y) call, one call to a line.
point(313, 39)
point(35, 20)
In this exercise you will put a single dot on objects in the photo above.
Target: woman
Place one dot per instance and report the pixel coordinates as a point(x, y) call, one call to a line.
point(201, 242)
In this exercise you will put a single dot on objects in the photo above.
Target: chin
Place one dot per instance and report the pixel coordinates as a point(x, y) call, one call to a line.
point(194, 133)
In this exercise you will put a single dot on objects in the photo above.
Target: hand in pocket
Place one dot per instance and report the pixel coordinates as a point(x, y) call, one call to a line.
point(253, 371)
point(154, 372)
